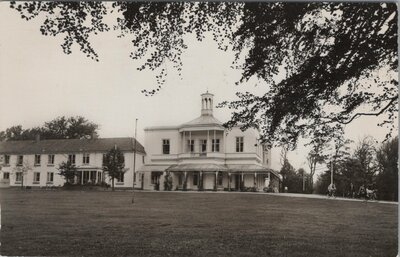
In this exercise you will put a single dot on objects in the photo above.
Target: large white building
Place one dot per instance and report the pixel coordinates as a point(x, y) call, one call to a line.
point(202, 155)
point(35, 163)
point(198, 155)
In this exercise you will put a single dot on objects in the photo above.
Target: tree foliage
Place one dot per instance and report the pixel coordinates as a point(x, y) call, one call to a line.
point(23, 170)
point(59, 128)
point(387, 178)
point(114, 164)
point(368, 166)
point(68, 171)
point(330, 54)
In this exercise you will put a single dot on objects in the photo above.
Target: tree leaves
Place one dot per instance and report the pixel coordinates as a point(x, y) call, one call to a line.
point(327, 50)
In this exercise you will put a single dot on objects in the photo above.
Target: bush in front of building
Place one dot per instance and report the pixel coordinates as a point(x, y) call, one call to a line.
point(167, 182)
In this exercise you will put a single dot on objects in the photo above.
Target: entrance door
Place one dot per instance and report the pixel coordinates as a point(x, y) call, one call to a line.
point(85, 176)
point(99, 177)
point(237, 182)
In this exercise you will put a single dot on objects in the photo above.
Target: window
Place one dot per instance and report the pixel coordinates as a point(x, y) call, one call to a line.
point(215, 145)
point(6, 175)
point(203, 146)
point(219, 178)
point(6, 159)
point(50, 159)
point(165, 146)
point(18, 176)
point(190, 146)
point(37, 159)
point(36, 177)
point(155, 178)
point(71, 158)
point(20, 160)
point(239, 144)
point(120, 178)
point(50, 177)
point(104, 159)
point(86, 158)
point(143, 159)
point(195, 179)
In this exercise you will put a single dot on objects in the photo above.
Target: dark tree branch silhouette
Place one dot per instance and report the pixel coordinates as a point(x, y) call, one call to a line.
point(331, 54)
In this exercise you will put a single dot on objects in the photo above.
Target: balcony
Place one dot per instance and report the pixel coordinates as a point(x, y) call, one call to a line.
point(195, 155)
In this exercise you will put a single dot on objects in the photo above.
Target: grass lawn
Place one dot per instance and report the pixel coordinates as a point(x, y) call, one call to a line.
point(86, 223)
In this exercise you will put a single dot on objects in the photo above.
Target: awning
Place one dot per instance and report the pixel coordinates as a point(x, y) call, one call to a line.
point(197, 167)
point(150, 168)
point(247, 168)
point(251, 168)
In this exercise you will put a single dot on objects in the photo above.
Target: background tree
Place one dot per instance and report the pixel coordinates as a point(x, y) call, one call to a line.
point(23, 170)
point(330, 53)
point(68, 171)
point(59, 128)
point(387, 178)
point(288, 172)
point(316, 156)
point(364, 154)
point(114, 164)
point(358, 168)
point(305, 180)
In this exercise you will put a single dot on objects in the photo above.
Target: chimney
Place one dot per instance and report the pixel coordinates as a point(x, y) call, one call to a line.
point(37, 137)
point(207, 103)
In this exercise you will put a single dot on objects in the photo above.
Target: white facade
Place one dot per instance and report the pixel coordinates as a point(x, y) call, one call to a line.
point(43, 171)
point(203, 155)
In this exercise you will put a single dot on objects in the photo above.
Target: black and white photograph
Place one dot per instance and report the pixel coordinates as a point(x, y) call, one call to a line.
point(199, 128)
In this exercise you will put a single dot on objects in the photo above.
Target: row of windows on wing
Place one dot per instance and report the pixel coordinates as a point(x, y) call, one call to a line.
point(50, 176)
point(50, 159)
point(36, 176)
point(215, 145)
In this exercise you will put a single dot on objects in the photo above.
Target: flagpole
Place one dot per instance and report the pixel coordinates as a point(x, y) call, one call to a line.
point(134, 163)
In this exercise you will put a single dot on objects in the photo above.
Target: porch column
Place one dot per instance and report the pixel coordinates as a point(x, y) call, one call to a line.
point(90, 176)
point(82, 177)
point(185, 181)
point(208, 141)
point(190, 140)
point(229, 181)
point(214, 142)
point(255, 179)
point(215, 181)
point(183, 142)
point(200, 187)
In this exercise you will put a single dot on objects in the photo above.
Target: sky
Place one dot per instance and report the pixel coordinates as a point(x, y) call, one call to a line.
point(38, 83)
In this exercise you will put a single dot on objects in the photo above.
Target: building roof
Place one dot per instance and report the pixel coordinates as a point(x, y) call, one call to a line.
point(203, 120)
point(51, 146)
point(197, 167)
point(211, 167)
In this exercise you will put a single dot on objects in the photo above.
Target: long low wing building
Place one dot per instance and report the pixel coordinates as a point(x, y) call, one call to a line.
point(35, 163)
point(202, 155)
